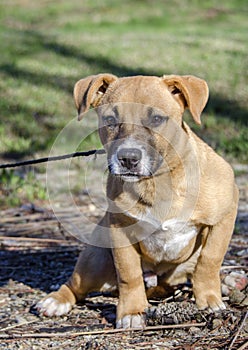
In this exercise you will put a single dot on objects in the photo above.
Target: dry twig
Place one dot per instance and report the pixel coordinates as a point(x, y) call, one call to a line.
point(244, 346)
point(17, 325)
point(238, 331)
point(105, 332)
point(231, 267)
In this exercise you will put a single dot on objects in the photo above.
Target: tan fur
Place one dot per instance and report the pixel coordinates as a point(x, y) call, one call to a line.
point(211, 202)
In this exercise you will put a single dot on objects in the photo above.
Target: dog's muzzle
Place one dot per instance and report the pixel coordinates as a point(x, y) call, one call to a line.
point(133, 162)
point(128, 163)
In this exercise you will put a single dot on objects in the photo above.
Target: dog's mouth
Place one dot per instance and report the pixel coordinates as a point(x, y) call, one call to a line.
point(131, 176)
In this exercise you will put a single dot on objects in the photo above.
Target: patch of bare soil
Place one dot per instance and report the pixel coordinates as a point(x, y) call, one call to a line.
point(37, 255)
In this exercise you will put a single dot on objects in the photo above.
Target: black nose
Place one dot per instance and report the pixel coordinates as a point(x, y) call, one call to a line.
point(129, 157)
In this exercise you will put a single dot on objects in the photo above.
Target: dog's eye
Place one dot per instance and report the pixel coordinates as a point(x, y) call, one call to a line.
point(157, 120)
point(110, 121)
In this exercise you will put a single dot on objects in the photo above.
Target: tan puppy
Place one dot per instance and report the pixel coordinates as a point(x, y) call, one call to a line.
point(172, 199)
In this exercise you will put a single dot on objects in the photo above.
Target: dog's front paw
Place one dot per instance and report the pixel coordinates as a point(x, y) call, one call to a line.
point(57, 303)
point(210, 302)
point(52, 307)
point(132, 321)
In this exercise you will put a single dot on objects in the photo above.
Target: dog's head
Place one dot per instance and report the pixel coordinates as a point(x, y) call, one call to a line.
point(138, 115)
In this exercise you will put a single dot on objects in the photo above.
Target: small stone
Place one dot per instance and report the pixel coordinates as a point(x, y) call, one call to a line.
point(225, 290)
point(91, 207)
point(236, 280)
point(238, 297)
point(217, 323)
point(54, 287)
point(20, 320)
point(194, 330)
point(233, 318)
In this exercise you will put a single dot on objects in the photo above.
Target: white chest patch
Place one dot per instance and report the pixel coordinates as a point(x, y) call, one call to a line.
point(166, 244)
point(164, 241)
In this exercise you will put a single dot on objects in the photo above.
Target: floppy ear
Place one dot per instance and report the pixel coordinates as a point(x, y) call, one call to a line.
point(189, 90)
point(89, 91)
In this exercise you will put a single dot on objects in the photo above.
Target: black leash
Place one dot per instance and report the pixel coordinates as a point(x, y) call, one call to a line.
point(51, 159)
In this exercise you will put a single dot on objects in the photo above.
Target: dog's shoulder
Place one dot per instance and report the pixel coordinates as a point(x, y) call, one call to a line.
point(217, 193)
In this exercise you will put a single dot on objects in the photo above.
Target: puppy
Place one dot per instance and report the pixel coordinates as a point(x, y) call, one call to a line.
point(172, 199)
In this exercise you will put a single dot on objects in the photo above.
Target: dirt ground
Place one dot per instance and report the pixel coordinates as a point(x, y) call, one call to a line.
point(37, 255)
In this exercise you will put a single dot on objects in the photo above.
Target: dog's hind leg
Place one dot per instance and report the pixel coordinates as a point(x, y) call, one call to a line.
point(94, 271)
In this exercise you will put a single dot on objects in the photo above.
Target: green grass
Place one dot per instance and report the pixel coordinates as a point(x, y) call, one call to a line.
point(46, 46)
point(16, 188)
